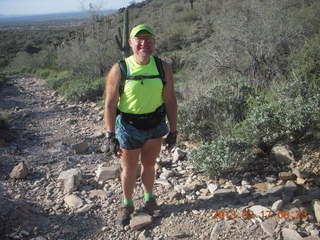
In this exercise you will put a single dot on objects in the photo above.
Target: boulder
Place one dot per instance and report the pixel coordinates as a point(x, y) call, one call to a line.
point(106, 173)
point(289, 234)
point(19, 172)
point(282, 154)
point(71, 179)
point(139, 221)
point(316, 209)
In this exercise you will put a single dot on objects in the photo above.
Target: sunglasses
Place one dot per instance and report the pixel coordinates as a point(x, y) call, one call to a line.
point(144, 39)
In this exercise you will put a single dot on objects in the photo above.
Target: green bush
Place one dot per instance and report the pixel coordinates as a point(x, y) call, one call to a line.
point(56, 79)
point(306, 62)
point(82, 89)
point(205, 117)
point(221, 155)
point(284, 116)
point(30, 63)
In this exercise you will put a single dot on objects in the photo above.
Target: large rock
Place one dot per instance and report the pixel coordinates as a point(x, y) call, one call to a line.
point(269, 225)
point(217, 229)
point(289, 234)
point(316, 209)
point(139, 221)
point(20, 171)
point(106, 173)
point(71, 179)
point(282, 154)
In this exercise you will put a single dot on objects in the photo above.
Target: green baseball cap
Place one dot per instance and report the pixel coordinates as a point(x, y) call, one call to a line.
point(139, 28)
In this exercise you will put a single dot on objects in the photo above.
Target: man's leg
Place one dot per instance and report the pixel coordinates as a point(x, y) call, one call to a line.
point(129, 161)
point(149, 152)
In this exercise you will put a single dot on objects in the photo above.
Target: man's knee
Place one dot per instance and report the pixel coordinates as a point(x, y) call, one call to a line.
point(148, 165)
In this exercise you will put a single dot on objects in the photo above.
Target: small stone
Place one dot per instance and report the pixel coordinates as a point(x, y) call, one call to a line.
point(85, 208)
point(98, 134)
point(243, 190)
point(73, 201)
point(98, 193)
point(222, 181)
point(80, 148)
point(212, 187)
point(287, 176)
point(20, 171)
point(163, 182)
point(261, 187)
point(261, 211)
point(178, 154)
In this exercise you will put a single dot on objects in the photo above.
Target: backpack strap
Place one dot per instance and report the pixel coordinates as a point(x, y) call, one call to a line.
point(159, 65)
point(123, 69)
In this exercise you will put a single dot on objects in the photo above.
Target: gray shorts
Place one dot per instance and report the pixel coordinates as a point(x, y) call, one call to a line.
point(131, 138)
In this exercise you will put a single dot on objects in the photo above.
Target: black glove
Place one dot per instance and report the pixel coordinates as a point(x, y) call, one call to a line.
point(171, 140)
point(112, 144)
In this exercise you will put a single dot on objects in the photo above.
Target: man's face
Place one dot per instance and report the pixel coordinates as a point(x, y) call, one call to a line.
point(143, 45)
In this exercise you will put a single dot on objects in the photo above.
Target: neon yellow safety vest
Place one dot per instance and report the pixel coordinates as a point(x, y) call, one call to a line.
point(141, 96)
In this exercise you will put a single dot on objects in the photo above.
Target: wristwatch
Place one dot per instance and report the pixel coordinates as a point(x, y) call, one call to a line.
point(110, 134)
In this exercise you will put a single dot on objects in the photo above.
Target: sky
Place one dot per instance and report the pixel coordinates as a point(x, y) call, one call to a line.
point(31, 7)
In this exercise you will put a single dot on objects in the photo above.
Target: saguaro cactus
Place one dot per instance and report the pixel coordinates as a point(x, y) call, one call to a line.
point(123, 41)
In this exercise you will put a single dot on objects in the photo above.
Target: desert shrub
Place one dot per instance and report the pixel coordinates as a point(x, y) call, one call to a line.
point(221, 155)
point(91, 56)
point(207, 116)
point(285, 115)
point(187, 16)
point(29, 63)
point(306, 62)
point(55, 79)
point(47, 73)
point(307, 17)
point(82, 89)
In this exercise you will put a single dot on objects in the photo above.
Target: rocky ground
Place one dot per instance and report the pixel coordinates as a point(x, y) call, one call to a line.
point(56, 183)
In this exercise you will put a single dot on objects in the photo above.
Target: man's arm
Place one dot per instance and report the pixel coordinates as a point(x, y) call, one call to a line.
point(169, 98)
point(112, 97)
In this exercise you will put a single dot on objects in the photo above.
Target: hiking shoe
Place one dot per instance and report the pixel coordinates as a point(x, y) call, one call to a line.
point(123, 216)
point(150, 206)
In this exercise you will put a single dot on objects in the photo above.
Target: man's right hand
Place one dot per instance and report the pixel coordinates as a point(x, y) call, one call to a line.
point(112, 144)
